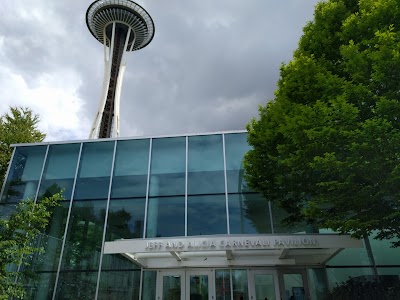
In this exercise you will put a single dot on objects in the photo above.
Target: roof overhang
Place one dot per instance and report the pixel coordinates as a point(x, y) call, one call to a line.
point(232, 250)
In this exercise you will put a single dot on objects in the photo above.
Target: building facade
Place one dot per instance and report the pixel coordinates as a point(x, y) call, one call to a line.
point(172, 218)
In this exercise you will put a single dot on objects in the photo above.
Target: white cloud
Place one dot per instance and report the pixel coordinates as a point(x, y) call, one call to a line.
point(54, 97)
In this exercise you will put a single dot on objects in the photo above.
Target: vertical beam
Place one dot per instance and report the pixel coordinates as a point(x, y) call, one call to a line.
point(186, 182)
point(67, 223)
point(7, 173)
point(105, 220)
point(147, 189)
point(226, 185)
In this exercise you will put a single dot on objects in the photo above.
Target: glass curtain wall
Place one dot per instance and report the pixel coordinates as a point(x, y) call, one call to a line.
point(248, 211)
point(58, 176)
point(206, 201)
point(120, 277)
point(81, 255)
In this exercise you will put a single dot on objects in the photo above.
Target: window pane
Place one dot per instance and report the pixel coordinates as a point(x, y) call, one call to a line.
point(149, 285)
point(279, 214)
point(223, 284)
point(60, 170)
point(51, 241)
point(125, 219)
point(205, 165)
point(130, 170)
point(166, 217)
point(206, 215)
point(337, 276)
point(235, 148)
point(84, 236)
point(41, 286)
point(119, 279)
point(384, 253)
point(240, 290)
point(76, 285)
point(25, 170)
point(168, 167)
point(248, 213)
point(94, 171)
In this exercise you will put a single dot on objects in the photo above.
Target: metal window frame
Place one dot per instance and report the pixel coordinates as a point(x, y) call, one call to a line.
point(67, 222)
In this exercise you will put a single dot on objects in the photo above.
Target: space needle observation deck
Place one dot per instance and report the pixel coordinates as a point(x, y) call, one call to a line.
point(121, 26)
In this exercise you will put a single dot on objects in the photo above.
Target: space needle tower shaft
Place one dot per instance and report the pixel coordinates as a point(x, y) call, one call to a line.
point(121, 26)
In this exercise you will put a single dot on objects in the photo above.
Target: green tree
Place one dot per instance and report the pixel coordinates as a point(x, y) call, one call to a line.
point(18, 234)
point(327, 147)
point(19, 125)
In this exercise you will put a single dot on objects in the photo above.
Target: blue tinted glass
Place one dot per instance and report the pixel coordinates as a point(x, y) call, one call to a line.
point(166, 217)
point(130, 170)
point(125, 219)
point(206, 215)
point(84, 236)
point(206, 165)
point(116, 284)
point(76, 285)
point(168, 166)
point(60, 170)
point(278, 217)
point(248, 213)
point(25, 170)
point(235, 148)
point(94, 171)
point(51, 240)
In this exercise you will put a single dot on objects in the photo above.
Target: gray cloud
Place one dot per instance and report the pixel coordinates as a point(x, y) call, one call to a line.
point(208, 67)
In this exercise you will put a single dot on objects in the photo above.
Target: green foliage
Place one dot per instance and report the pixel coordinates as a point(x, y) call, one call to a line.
point(327, 148)
point(384, 289)
point(17, 235)
point(17, 126)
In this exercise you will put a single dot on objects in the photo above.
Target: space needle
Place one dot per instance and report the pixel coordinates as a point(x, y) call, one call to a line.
point(121, 26)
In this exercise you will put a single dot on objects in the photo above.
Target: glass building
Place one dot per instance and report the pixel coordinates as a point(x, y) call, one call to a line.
point(172, 218)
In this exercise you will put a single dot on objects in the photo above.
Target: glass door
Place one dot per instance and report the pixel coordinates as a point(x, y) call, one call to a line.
point(170, 285)
point(294, 284)
point(199, 285)
point(263, 285)
point(185, 285)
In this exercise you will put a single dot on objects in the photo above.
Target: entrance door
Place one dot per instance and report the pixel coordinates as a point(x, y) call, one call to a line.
point(263, 284)
point(185, 285)
point(294, 284)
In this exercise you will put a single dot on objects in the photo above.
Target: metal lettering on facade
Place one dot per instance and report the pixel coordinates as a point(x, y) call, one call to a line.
point(227, 244)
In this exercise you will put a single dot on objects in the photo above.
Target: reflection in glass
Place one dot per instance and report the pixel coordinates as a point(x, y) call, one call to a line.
point(198, 287)
point(76, 285)
point(236, 147)
point(205, 165)
point(94, 171)
point(240, 289)
point(248, 214)
point(294, 287)
point(24, 175)
point(317, 279)
point(84, 236)
point(168, 167)
point(278, 216)
point(149, 285)
point(119, 278)
point(125, 219)
point(264, 286)
point(60, 170)
point(171, 287)
point(206, 215)
point(41, 286)
point(130, 170)
point(166, 217)
point(223, 284)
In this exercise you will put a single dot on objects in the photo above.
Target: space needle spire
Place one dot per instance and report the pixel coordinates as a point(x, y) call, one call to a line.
point(121, 26)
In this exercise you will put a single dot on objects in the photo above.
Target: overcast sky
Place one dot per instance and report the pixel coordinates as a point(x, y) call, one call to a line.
point(209, 66)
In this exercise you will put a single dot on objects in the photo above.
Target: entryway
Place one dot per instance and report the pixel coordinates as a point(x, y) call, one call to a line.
point(202, 284)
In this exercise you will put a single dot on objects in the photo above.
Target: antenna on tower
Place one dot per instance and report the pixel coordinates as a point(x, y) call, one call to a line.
point(121, 26)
